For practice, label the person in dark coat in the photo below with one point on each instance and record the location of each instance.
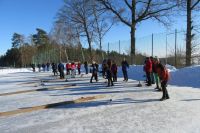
(61, 70)
(86, 67)
(109, 72)
(79, 67)
(94, 71)
(54, 68)
(48, 65)
(148, 70)
(43, 67)
(39, 67)
(114, 71)
(152, 74)
(164, 77)
(125, 65)
(104, 67)
(33, 67)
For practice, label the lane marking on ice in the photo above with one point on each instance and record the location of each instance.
(52, 105)
(42, 89)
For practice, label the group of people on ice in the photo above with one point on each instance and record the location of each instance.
(44, 66)
(70, 69)
(157, 73)
(109, 71)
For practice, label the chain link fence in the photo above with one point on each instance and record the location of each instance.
(169, 47)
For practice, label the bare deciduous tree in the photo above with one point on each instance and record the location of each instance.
(79, 14)
(133, 12)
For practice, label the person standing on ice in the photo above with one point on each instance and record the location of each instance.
(104, 66)
(94, 72)
(114, 71)
(54, 68)
(164, 77)
(109, 72)
(43, 67)
(61, 70)
(152, 73)
(156, 62)
(125, 65)
(33, 67)
(86, 67)
(39, 67)
(73, 69)
(79, 67)
(148, 70)
(68, 68)
(48, 65)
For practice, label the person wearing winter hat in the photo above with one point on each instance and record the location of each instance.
(164, 77)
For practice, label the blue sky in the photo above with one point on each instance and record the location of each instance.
(24, 16)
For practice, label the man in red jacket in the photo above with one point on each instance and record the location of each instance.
(164, 77)
(148, 70)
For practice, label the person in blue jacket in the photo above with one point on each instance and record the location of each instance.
(125, 65)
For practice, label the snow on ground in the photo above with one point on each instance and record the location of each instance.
(124, 108)
(14, 70)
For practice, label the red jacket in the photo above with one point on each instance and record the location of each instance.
(68, 66)
(79, 65)
(148, 66)
(163, 74)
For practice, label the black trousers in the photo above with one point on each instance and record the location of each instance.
(79, 71)
(109, 77)
(115, 76)
(125, 75)
(110, 81)
(148, 74)
(62, 75)
(94, 75)
(164, 89)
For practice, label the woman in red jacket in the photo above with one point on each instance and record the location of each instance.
(148, 70)
(164, 77)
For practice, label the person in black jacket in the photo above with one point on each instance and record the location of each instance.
(61, 70)
(114, 71)
(86, 67)
(125, 65)
(94, 71)
(109, 72)
(54, 68)
(39, 67)
(48, 65)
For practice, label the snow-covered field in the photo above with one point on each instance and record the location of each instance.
(123, 108)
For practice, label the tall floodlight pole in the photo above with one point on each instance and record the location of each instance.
(152, 45)
(175, 47)
(166, 50)
(119, 47)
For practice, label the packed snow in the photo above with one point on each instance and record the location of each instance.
(123, 108)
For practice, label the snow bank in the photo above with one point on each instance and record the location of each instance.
(14, 70)
(189, 76)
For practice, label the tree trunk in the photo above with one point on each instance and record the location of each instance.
(189, 34)
(66, 55)
(133, 33)
(100, 43)
(132, 45)
(89, 40)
